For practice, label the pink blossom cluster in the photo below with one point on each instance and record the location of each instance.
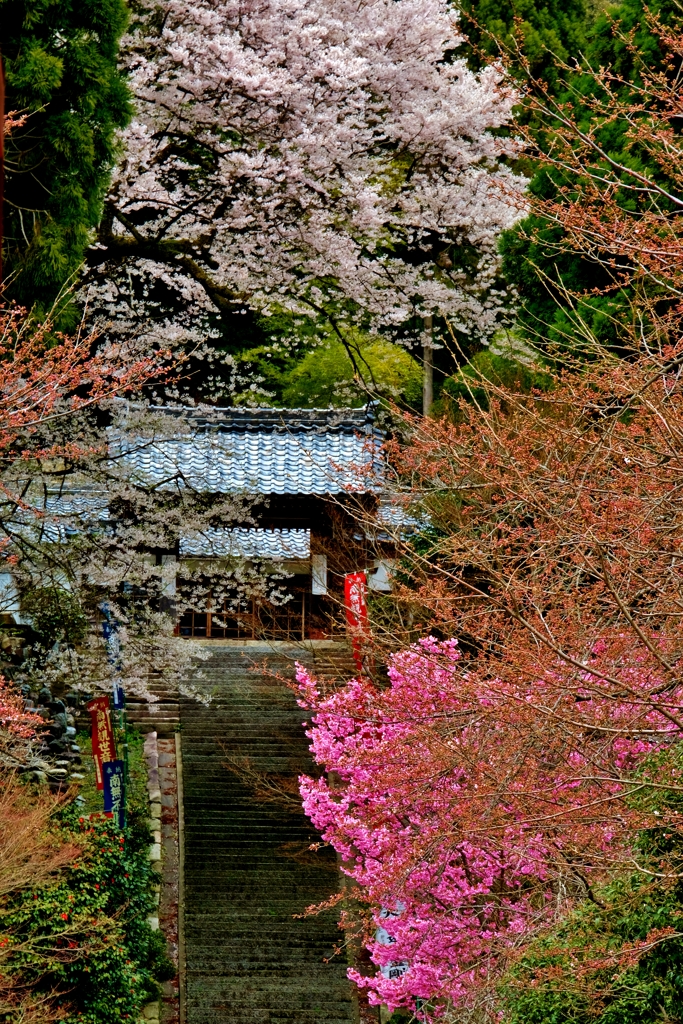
(14, 718)
(460, 803)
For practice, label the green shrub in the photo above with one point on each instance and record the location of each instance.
(55, 615)
(84, 938)
(470, 382)
(325, 376)
(301, 369)
(618, 960)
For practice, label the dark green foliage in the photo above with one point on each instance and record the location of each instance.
(554, 28)
(305, 365)
(533, 264)
(593, 969)
(60, 59)
(55, 615)
(470, 382)
(617, 959)
(606, 48)
(534, 257)
(158, 962)
(326, 377)
(86, 935)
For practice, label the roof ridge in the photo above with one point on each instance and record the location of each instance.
(272, 419)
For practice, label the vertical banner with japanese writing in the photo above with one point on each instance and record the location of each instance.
(118, 696)
(110, 632)
(114, 797)
(355, 588)
(103, 747)
(393, 969)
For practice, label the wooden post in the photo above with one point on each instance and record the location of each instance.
(428, 368)
(182, 995)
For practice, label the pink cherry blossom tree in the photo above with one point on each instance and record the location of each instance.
(470, 809)
(331, 159)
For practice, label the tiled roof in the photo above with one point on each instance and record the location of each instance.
(275, 545)
(62, 513)
(260, 451)
(58, 517)
(85, 505)
(397, 517)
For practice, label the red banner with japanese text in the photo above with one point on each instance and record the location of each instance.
(103, 747)
(355, 600)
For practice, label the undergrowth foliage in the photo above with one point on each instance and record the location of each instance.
(75, 895)
(80, 943)
(616, 959)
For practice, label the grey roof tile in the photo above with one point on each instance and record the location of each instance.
(276, 545)
(260, 452)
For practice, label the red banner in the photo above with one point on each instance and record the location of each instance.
(103, 747)
(355, 590)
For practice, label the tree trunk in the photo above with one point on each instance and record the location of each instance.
(428, 369)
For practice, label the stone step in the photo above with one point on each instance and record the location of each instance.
(248, 964)
(267, 1015)
(247, 867)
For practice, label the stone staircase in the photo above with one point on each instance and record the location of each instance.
(248, 870)
(162, 716)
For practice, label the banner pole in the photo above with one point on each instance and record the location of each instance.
(124, 722)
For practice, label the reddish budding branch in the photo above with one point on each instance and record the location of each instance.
(44, 376)
(557, 523)
(484, 792)
(29, 852)
(622, 212)
(2, 163)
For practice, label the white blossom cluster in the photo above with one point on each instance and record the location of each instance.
(328, 157)
(91, 526)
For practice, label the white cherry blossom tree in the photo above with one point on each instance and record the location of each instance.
(326, 157)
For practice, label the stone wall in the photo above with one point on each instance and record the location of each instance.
(162, 755)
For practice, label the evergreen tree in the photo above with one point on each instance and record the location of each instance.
(534, 259)
(554, 28)
(61, 69)
(618, 959)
